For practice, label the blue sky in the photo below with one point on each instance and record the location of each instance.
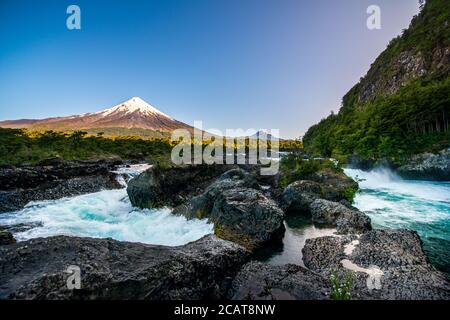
(230, 63)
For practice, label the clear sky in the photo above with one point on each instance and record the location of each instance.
(230, 63)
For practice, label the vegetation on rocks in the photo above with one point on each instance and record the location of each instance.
(294, 167)
(341, 289)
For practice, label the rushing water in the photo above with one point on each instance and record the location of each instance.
(105, 214)
(423, 206)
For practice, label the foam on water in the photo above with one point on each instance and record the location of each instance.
(105, 214)
(423, 206)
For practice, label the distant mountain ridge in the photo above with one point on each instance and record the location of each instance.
(133, 115)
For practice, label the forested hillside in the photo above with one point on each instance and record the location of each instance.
(402, 105)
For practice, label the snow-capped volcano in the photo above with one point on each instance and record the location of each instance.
(133, 105)
(134, 113)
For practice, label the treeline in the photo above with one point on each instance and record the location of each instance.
(413, 121)
(21, 146)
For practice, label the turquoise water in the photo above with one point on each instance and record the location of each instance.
(423, 206)
(105, 214)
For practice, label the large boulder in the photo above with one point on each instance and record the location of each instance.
(37, 269)
(336, 185)
(239, 210)
(326, 184)
(6, 237)
(298, 196)
(260, 281)
(171, 186)
(427, 166)
(345, 219)
(384, 264)
(248, 217)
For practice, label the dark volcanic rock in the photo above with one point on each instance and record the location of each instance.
(17, 199)
(52, 170)
(386, 264)
(324, 184)
(260, 281)
(335, 186)
(247, 217)
(299, 195)
(159, 187)
(427, 166)
(239, 210)
(36, 269)
(345, 219)
(6, 237)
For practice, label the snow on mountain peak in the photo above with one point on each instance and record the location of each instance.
(133, 105)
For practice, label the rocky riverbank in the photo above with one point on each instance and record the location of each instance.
(54, 179)
(248, 215)
(424, 166)
(109, 269)
(427, 166)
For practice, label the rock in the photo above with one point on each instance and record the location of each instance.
(160, 187)
(201, 206)
(427, 166)
(6, 237)
(260, 281)
(298, 196)
(21, 227)
(36, 269)
(247, 217)
(335, 186)
(17, 199)
(29, 177)
(386, 265)
(345, 219)
(239, 210)
(324, 184)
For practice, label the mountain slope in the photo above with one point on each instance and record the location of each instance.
(401, 106)
(133, 115)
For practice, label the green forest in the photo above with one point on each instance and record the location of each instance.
(21, 146)
(381, 118)
(412, 121)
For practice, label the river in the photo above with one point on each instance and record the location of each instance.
(423, 206)
(105, 214)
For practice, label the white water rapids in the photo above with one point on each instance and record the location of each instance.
(106, 214)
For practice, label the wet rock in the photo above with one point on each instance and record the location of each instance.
(385, 264)
(260, 281)
(36, 269)
(6, 237)
(335, 186)
(324, 184)
(160, 187)
(52, 170)
(16, 199)
(345, 219)
(239, 210)
(298, 196)
(427, 166)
